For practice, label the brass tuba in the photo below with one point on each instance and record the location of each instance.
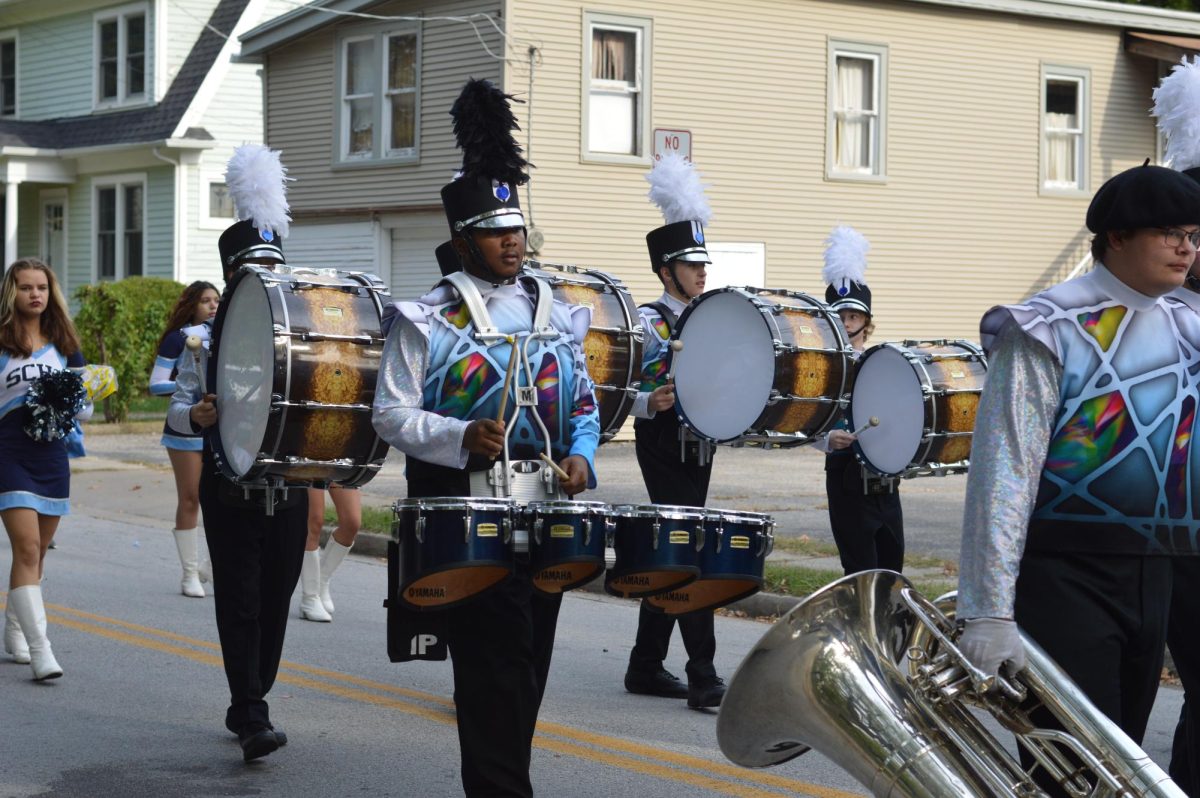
(865, 671)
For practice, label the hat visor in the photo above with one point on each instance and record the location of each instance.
(264, 251)
(850, 304)
(512, 218)
(699, 256)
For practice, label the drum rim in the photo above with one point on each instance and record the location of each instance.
(560, 505)
(674, 511)
(453, 502)
(745, 515)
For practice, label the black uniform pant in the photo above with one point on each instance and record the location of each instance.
(256, 562)
(1103, 620)
(868, 527)
(500, 645)
(672, 481)
(1185, 650)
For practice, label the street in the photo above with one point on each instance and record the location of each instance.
(139, 711)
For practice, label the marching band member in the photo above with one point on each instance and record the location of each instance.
(865, 515)
(197, 305)
(37, 342)
(672, 476)
(1177, 107)
(1077, 486)
(437, 400)
(256, 549)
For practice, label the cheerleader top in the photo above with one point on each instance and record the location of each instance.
(171, 354)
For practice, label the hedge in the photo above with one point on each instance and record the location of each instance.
(120, 324)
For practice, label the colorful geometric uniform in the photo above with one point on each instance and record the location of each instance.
(33, 474)
(1082, 479)
(171, 355)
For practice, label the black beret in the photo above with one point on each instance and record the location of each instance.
(1144, 196)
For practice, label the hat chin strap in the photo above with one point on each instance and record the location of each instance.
(678, 285)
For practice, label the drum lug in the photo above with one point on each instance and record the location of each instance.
(720, 537)
(420, 529)
(654, 540)
(537, 531)
(702, 534)
(766, 543)
(587, 531)
(467, 525)
(508, 529)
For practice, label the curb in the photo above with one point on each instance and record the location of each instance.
(760, 605)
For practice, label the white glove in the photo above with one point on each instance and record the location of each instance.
(989, 643)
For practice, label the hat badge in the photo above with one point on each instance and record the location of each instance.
(698, 232)
(501, 191)
(266, 235)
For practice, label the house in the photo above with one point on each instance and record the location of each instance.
(964, 138)
(116, 119)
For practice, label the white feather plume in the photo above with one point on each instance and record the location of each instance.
(676, 189)
(845, 257)
(256, 179)
(1177, 108)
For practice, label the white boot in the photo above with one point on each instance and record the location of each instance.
(185, 541)
(31, 613)
(311, 608)
(14, 638)
(331, 558)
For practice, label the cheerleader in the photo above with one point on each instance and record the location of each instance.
(319, 564)
(197, 305)
(37, 341)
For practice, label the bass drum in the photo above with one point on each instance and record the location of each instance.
(613, 344)
(760, 366)
(296, 354)
(925, 395)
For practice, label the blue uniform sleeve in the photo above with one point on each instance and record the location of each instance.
(169, 351)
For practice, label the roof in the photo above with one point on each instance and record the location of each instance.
(142, 124)
(301, 21)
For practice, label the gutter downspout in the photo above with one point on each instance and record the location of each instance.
(180, 176)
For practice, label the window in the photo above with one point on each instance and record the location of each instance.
(379, 102)
(8, 75)
(616, 125)
(857, 96)
(1064, 129)
(216, 206)
(119, 222)
(120, 44)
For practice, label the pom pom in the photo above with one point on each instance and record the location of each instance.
(1177, 108)
(483, 125)
(51, 404)
(99, 381)
(676, 189)
(257, 182)
(845, 258)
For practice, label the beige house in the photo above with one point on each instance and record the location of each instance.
(964, 138)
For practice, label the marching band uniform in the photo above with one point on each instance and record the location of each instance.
(256, 550)
(436, 379)
(676, 469)
(1074, 547)
(865, 515)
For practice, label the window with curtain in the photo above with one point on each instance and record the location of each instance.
(1062, 131)
(120, 221)
(855, 113)
(120, 45)
(614, 75)
(8, 77)
(380, 96)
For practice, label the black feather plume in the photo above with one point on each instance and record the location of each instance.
(483, 125)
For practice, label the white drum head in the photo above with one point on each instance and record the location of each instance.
(245, 361)
(724, 373)
(888, 387)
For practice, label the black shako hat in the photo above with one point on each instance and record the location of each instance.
(1144, 196)
(242, 240)
(857, 297)
(447, 258)
(677, 241)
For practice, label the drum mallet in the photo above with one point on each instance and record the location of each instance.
(194, 345)
(563, 475)
(508, 373)
(873, 421)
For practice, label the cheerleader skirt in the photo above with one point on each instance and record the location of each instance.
(33, 474)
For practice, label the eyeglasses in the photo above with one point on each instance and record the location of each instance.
(1173, 237)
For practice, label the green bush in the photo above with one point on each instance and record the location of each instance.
(120, 324)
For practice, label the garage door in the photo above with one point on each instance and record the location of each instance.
(414, 267)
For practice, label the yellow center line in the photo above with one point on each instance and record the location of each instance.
(651, 760)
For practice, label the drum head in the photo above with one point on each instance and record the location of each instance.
(887, 386)
(724, 373)
(245, 361)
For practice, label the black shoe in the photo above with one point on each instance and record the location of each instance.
(280, 736)
(706, 695)
(257, 741)
(663, 684)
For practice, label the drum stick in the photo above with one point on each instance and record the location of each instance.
(873, 421)
(563, 475)
(194, 345)
(508, 373)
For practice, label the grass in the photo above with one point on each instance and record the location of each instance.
(374, 519)
(791, 580)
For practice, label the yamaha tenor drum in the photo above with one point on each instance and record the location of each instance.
(924, 394)
(297, 354)
(613, 343)
(452, 549)
(566, 543)
(657, 548)
(759, 366)
(732, 559)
